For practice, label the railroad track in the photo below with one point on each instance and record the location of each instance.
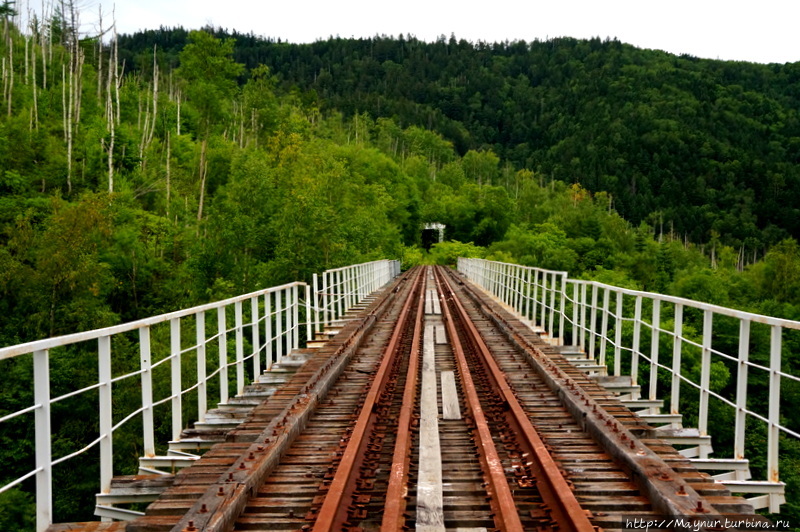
(436, 409)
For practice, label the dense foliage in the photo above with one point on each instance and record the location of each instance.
(216, 167)
(698, 147)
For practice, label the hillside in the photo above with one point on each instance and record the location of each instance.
(700, 148)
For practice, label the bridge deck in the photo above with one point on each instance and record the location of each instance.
(275, 449)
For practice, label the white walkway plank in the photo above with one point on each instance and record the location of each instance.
(450, 407)
(437, 305)
(430, 500)
(441, 336)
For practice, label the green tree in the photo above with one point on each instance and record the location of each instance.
(210, 76)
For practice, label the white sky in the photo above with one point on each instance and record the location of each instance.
(764, 31)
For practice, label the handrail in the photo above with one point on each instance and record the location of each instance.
(264, 331)
(573, 310)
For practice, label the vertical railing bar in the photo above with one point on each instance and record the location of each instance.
(268, 329)
(537, 305)
(340, 296)
(254, 317)
(675, 392)
(526, 285)
(618, 337)
(176, 387)
(582, 339)
(551, 329)
(287, 313)
(279, 326)
(315, 283)
(773, 434)
(637, 332)
(106, 414)
(296, 318)
(741, 390)
(575, 313)
(222, 331)
(705, 377)
(563, 312)
(604, 324)
(654, 348)
(202, 396)
(146, 365)
(239, 330)
(308, 313)
(593, 323)
(325, 290)
(44, 457)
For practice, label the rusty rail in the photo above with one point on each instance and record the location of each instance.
(333, 513)
(502, 500)
(564, 507)
(395, 504)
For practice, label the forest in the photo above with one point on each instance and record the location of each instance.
(144, 173)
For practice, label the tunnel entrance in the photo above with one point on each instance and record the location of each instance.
(431, 234)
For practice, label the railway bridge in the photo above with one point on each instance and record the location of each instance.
(492, 397)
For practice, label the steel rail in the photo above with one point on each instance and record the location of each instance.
(333, 512)
(666, 490)
(552, 486)
(395, 502)
(501, 498)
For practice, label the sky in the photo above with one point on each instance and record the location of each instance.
(762, 31)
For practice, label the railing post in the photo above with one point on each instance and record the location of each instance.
(308, 312)
(222, 331)
(544, 312)
(593, 322)
(296, 317)
(339, 295)
(268, 329)
(346, 273)
(637, 332)
(254, 329)
(325, 289)
(44, 458)
(278, 326)
(175, 367)
(315, 282)
(582, 339)
(654, 348)
(526, 299)
(287, 319)
(202, 397)
(563, 311)
(575, 312)
(551, 330)
(106, 415)
(675, 392)
(618, 337)
(705, 377)
(495, 279)
(287, 311)
(537, 311)
(146, 365)
(773, 430)
(239, 326)
(604, 324)
(741, 390)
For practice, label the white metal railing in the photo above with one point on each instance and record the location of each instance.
(606, 322)
(160, 344)
(339, 289)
